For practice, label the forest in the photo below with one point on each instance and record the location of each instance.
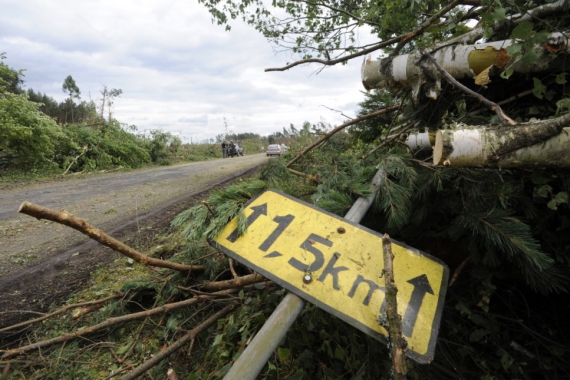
(464, 123)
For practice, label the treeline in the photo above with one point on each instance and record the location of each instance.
(40, 134)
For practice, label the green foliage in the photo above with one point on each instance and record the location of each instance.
(28, 138)
(207, 220)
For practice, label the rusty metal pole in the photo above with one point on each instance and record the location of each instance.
(254, 357)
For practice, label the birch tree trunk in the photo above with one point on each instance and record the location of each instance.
(544, 143)
(461, 61)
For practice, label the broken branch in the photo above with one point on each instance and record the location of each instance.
(96, 234)
(178, 344)
(108, 323)
(62, 310)
(397, 341)
(505, 120)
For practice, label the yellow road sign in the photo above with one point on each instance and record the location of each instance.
(336, 264)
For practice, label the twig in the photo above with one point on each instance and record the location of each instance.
(397, 341)
(404, 40)
(96, 234)
(231, 261)
(378, 46)
(108, 323)
(505, 101)
(62, 310)
(457, 272)
(178, 344)
(209, 208)
(339, 128)
(310, 177)
(505, 120)
(388, 140)
(230, 284)
(340, 112)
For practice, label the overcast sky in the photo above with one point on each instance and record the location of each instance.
(178, 71)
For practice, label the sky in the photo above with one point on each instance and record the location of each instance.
(178, 72)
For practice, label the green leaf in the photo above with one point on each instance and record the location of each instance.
(477, 335)
(506, 361)
(218, 339)
(507, 73)
(283, 354)
(514, 49)
(563, 105)
(271, 366)
(539, 89)
(561, 197)
(561, 78)
(241, 294)
(522, 30)
(532, 56)
(539, 37)
(552, 205)
(121, 350)
(544, 191)
(499, 14)
(339, 353)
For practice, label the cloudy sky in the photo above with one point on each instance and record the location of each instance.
(178, 72)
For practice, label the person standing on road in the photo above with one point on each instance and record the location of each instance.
(224, 149)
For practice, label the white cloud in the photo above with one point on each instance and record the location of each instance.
(178, 72)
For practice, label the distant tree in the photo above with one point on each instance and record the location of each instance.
(70, 87)
(109, 99)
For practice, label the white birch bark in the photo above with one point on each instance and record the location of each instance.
(417, 141)
(460, 61)
(535, 144)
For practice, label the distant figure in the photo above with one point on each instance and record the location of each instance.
(225, 149)
(262, 149)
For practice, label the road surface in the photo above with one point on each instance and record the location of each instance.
(31, 249)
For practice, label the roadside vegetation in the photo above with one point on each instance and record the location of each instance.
(43, 138)
(501, 229)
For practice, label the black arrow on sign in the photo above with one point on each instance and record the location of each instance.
(421, 287)
(257, 211)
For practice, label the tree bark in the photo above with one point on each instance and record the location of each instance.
(535, 144)
(101, 237)
(460, 61)
(397, 341)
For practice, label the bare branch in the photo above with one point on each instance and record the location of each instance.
(96, 234)
(404, 40)
(397, 341)
(62, 310)
(401, 39)
(191, 335)
(108, 323)
(341, 127)
(505, 120)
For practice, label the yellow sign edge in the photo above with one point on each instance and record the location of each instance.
(420, 358)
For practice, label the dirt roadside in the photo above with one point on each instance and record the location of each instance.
(42, 263)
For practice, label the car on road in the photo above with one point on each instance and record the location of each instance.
(274, 150)
(235, 150)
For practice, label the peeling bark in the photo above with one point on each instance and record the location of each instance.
(535, 144)
(460, 61)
